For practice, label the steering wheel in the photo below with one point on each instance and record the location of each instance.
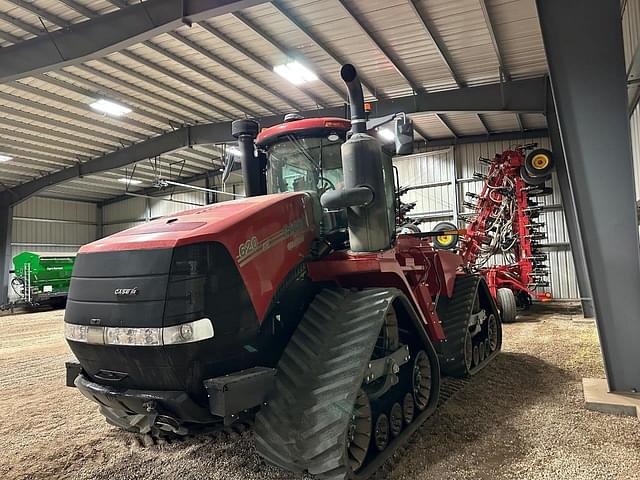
(325, 185)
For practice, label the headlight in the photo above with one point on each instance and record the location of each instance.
(185, 333)
(188, 332)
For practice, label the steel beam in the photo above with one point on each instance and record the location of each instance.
(588, 78)
(491, 137)
(496, 46)
(484, 124)
(570, 215)
(6, 221)
(524, 96)
(100, 36)
(446, 125)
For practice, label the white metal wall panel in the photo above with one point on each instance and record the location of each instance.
(118, 227)
(422, 168)
(51, 225)
(120, 212)
(433, 166)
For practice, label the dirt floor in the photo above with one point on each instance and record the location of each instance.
(521, 418)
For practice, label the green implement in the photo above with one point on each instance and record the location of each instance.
(42, 277)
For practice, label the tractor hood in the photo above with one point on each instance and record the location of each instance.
(230, 223)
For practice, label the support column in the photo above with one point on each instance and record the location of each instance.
(570, 216)
(6, 221)
(587, 69)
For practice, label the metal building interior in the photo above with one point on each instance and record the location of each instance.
(474, 76)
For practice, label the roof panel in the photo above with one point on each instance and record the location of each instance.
(430, 125)
(465, 123)
(518, 33)
(501, 122)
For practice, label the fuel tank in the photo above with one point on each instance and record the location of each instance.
(164, 305)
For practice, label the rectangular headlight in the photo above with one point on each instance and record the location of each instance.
(188, 332)
(140, 337)
(132, 336)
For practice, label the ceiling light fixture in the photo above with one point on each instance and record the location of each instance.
(130, 181)
(110, 108)
(5, 158)
(386, 134)
(295, 72)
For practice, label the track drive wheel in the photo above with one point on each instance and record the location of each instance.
(381, 432)
(359, 432)
(507, 304)
(421, 380)
(408, 409)
(396, 419)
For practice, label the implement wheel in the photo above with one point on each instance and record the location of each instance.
(530, 180)
(506, 301)
(445, 241)
(539, 162)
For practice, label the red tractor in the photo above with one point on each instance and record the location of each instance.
(299, 304)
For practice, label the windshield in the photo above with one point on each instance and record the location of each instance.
(297, 164)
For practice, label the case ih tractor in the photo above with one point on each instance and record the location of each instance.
(299, 305)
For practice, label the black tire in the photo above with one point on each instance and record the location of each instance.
(506, 301)
(529, 180)
(541, 192)
(539, 162)
(408, 228)
(445, 242)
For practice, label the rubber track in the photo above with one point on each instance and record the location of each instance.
(303, 426)
(454, 313)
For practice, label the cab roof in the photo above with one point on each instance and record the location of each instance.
(271, 134)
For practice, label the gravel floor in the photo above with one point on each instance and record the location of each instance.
(521, 418)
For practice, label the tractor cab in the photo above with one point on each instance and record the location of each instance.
(304, 154)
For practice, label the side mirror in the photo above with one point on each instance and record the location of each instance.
(404, 135)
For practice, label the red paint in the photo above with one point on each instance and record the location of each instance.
(298, 126)
(412, 266)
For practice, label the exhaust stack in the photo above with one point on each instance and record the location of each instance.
(356, 99)
(245, 131)
(368, 194)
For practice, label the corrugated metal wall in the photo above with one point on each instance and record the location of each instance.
(136, 210)
(631, 34)
(52, 225)
(438, 165)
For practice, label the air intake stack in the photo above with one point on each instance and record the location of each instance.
(368, 193)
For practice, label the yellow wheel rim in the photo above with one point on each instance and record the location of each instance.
(445, 239)
(540, 161)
